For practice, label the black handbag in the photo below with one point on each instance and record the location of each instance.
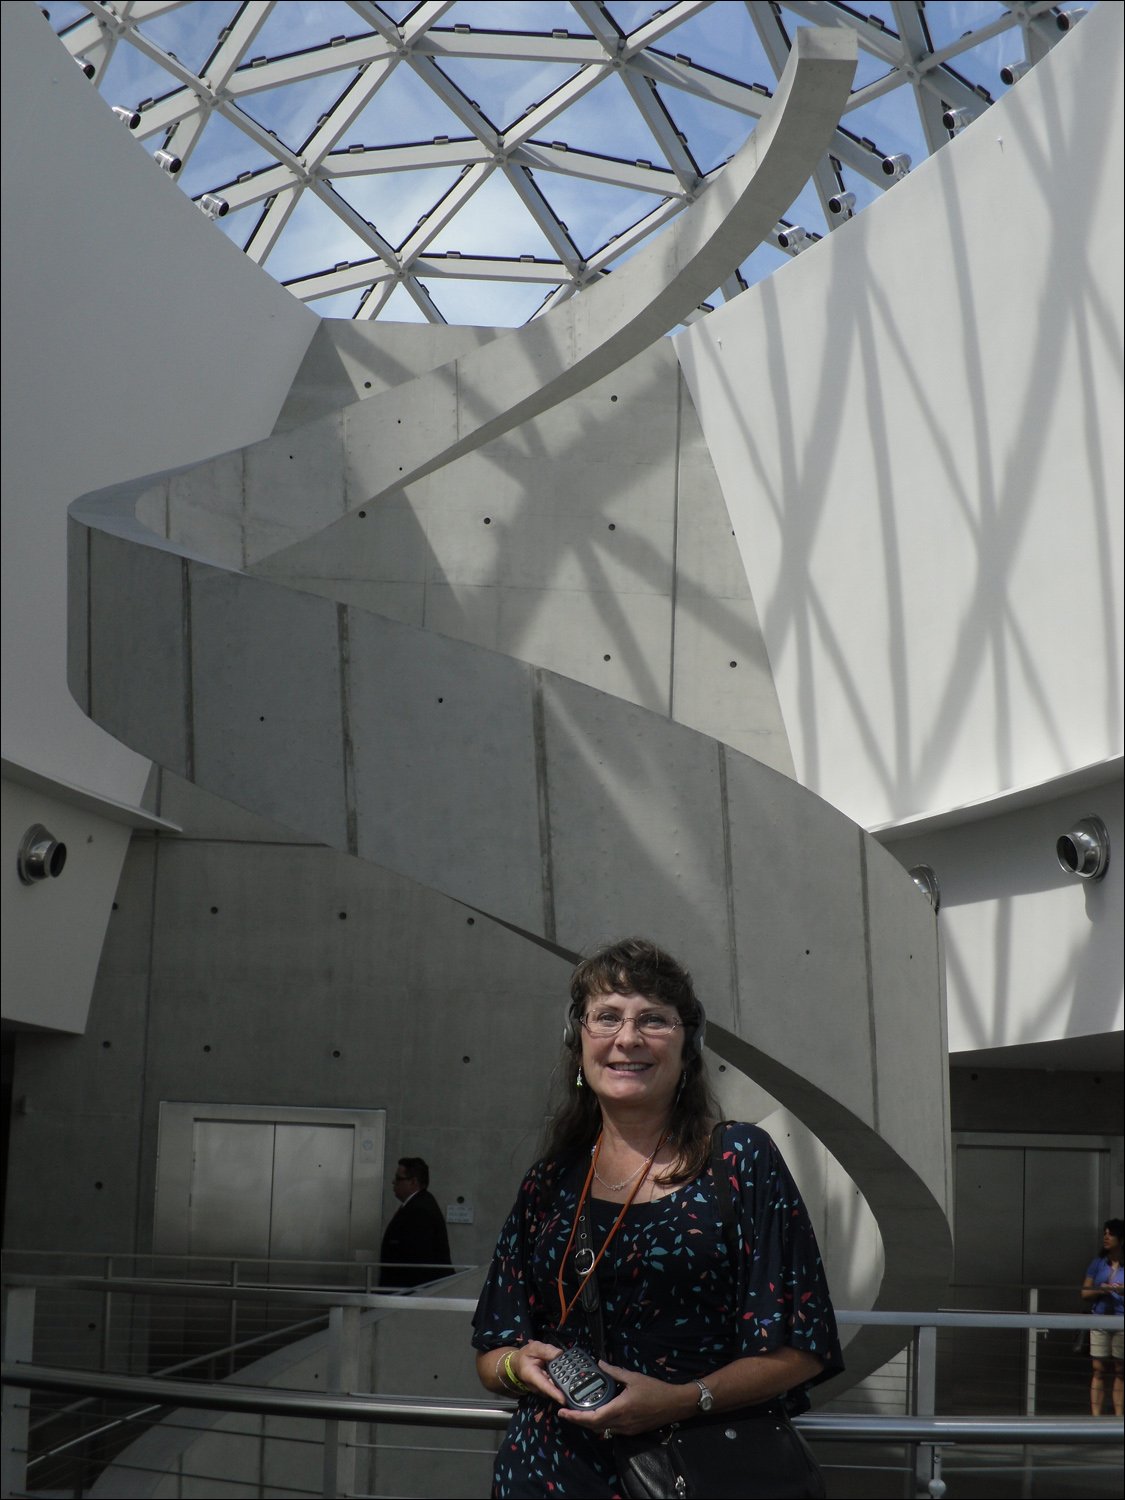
(754, 1453)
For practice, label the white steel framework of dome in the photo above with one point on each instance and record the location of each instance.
(401, 160)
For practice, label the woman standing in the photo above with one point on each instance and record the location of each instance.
(1103, 1288)
(685, 1331)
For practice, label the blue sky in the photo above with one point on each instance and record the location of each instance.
(494, 221)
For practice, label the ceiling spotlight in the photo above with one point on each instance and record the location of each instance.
(1065, 19)
(87, 67)
(166, 160)
(130, 117)
(955, 120)
(1012, 72)
(213, 207)
(40, 856)
(926, 880)
(1084, 850)
(842, 203)
(792, 237)
(897, 166)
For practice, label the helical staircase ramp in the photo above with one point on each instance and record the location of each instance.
(556, 809)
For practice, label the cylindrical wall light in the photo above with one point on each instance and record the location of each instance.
(925, 878)
(41, 856)
(1084, 850)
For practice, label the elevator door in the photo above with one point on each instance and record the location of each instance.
(271, 1191)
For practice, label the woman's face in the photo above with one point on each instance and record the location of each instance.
(1111, 1244)
(637, 1065)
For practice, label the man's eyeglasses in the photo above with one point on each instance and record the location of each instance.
(653, 1023)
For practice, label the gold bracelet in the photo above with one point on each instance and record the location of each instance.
(514, 1382)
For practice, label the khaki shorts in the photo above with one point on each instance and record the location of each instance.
(1105, 1344)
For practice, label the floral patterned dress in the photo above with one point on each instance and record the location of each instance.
(673, 1306)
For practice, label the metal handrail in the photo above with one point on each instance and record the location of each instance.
(412, 1412)
(402, 1301)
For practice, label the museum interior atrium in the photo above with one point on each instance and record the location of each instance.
(482, 480)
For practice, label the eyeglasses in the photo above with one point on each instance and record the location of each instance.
(653, 1023)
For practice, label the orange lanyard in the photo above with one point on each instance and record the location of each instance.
(563, 1303)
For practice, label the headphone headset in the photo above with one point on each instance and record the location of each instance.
(693, 1035)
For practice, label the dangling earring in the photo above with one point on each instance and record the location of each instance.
(579, 1082)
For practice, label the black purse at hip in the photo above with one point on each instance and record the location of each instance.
(754, 1453)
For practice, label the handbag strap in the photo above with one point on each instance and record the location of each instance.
(590, 1296)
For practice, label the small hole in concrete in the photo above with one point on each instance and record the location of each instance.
(107, 1044)
(399, 421)
(613, 398)
(470, 921)
(734, 664)
(291, 456)
(214, 911)
(367, 385)
(488, 520)
(722, 1067)
(98, 1184)
(335, 1052)
(89, 838)
(466, 1059)
(807, 952)
(606, 657)
(441, 700)
(91, 1326)
(206, 1046)
(115, 906)
(400, 468)
(460, 1199)
(363, 515)
(261, 718)
(973, 1077)
(613, 526)
(343, 916)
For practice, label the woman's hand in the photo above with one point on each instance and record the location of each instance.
(642, 1404)
(527, 1364)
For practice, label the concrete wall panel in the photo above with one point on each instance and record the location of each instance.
(137, 649)
(444, 755)
(266, 709)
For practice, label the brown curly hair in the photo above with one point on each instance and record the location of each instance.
(633, 966)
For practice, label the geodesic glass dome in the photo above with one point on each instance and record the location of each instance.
(477, 162)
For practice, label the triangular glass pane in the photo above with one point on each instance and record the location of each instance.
(293, 28)
(486, 304)
(404, 110)
(949, 22)
(62, 15)
(592, 211)
(765, 260)
(342, 305)
(806, 210)
(723, 40)
(395, 201)
(713, 133)
(868, 69)
(292, 111)
(605, 120)
(314, 240)
(191, 32)
(892, 122)
(865, 190)
(131, 77)
(503, 91)
(222, 154)
(401, 308)
(629, 14)
(494, 221)
(514, 15)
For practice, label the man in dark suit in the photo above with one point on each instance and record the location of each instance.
(416, 1236)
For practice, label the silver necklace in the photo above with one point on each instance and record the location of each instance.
(615, 1187)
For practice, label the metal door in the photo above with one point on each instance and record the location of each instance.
(1062, 1227)
(312, 1192)
(231, 1188)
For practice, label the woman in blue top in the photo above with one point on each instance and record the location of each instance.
(1103, 1290)
(685, 1331)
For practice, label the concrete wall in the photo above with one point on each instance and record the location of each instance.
(136, 337)
(916, 427)
(1031, 952)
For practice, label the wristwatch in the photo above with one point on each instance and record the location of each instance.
(706, 1400)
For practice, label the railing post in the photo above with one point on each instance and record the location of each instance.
(107, 1310)
(342, 1376)
(19, 1335)
(1032, 1354)
(927, 1459)
(233, 1330)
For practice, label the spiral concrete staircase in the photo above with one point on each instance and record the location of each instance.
(559, 810)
